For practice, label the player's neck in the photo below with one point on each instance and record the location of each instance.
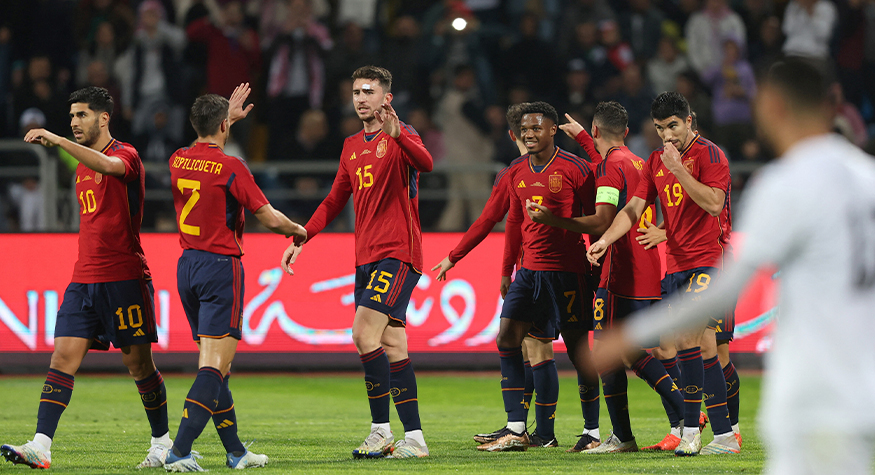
(371, 126)
(102, 142)
(213, 140)
(543, 157)
(609, 145)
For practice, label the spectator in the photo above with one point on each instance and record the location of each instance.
(539, 73)
(466, 142)
(849, 55)
(295, 75)
(767, 49)
(431, 136)
(619, 52)
(705, 33)
(28, 198)
(91, 14)
(808, 26)
(635, 96)
(847, 120)
(98, 75)
(311, 140)
(402, 55)
(586, 46)
(734, 87)
(505, 150)
(103, 47)
(642, 27)
(582, 11)
(690, 86)
(153, 74)
(5, 80)
(578, 90)
(348, 55)
(38, 91)
(663, 70)
(646, 141)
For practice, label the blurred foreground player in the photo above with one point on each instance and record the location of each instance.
(210, 191)
(380, 167)
(827, 281)
(110, 298)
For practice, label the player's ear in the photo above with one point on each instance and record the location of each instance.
(104, 119)
(387, 99)
(512, 135)
(626, 133)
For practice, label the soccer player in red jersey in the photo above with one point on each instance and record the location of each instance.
(210, 192)
(380, 167)
(548, 294)
(630, 274)
(110, 298)
(691, 178)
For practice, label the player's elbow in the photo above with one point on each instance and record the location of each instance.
(427, 165)
(714, 209)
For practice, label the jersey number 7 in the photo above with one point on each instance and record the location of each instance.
(193, 185)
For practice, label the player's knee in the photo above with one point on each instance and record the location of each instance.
(365, 342)
(65, 362)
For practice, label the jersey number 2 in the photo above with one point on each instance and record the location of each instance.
(194, 186)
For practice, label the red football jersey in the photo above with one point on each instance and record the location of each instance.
(494, 211)
(628, 270)
(110, 213)
(210, 190)
(695, 238)
(565, 185)
(382, 175)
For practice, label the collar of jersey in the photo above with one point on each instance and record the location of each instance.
(610, 151)
(690, 145)
(365, 136)
(111, 142)
(532, 168)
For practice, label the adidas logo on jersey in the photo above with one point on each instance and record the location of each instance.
(139, 333)
(353, 156)
(224, 424)
(659, 173)
(522, 184)
(376, 298)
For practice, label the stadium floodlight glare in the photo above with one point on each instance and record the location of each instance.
(459, 24)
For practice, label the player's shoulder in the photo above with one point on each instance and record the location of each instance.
(117, 147)
(707, 150)
(408, 128)
(518, 163)
(356, 136)
(572, 161)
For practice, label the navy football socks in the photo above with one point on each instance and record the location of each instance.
(225, 419)
(513, 380)
(615, 384)
(403, 382)
(674, 372)
(653, 373)
(588, 387)
(715, 402)
(201, 402)
(733, 386)
(377, 381)
(529, 387)
(57, 391)
(154, 398)
(546, 396)
(692, 382)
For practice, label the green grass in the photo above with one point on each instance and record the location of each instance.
(310, 423)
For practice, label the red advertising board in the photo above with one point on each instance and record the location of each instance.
(309, 312)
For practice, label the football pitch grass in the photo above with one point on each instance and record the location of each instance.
(310, 423)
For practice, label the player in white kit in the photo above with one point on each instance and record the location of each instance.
(811, 214)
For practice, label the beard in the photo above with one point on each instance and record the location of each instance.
(90, 136)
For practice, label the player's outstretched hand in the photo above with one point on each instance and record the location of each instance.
(540, 213)
(596, 251)
(289, 256)
(42, 136)
(505, 284)
(300, 235)
(444, 266)
(389, 120)
(651, 235)
(572, 128)
(236, 111)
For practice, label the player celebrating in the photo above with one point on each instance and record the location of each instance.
(380, 167)
(210, 191)
(110, 298)
(548, 294)
(691, 178)
(630, 276)
(794, 115)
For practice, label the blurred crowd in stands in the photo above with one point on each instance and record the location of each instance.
(457, 64)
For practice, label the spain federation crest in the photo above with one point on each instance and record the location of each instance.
(690, 165)
(98, 177)
(555, 183)
(381, 148)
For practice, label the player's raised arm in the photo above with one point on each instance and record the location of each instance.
(623, 222)
(93, 159)
(236, 111)
(576, 131)
(709, 198)
(411, 143)
(277, 222)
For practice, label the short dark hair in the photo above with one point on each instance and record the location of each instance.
(611, 117)
(668, 104)
(694, 124)
(800, 81)
(375, 73)
(207, 114)
(539, 107)
(98, 99)
(514, 116)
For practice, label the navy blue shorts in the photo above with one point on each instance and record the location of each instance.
(551, 301)
(609, 310)
(694, 282)
(385, 286)
(211, 289)
(121, 313)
